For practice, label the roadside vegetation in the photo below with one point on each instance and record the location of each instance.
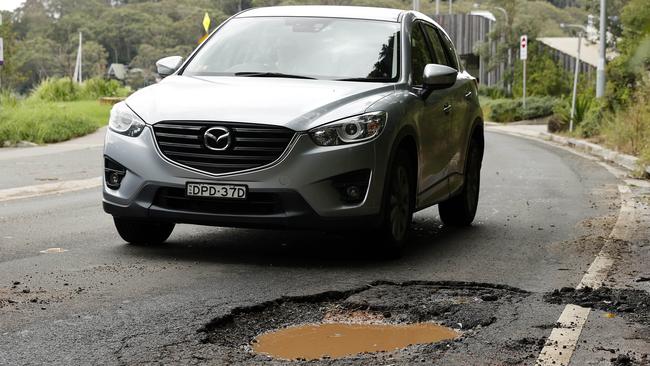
(621, 120)
(56, 110)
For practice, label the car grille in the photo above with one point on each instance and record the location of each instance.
(257, 203)
(252, 145)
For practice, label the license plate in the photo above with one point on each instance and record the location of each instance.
(216, 190)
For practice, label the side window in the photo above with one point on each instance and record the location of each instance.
(420, 56)
(436, 46)
(449, 50)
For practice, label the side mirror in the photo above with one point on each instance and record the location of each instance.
(439, 76)
(168, 65)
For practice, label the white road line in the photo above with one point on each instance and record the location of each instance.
(564, 337)
(561, 344)
(49, 188)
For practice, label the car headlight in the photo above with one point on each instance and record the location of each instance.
(350, 130)
(124, 121)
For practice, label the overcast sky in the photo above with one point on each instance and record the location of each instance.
(10, 4)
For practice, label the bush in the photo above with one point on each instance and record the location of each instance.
(510, 110)
(44, 122)
(591, 124)
(96, 88)
(629, 130)
(57, 90)
(562, 115)
(493, 92)
(8, 99)
(557, 124)
(65, 90)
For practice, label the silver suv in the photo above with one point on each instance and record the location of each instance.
(314, 117)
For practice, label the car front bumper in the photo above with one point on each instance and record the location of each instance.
(297, 191)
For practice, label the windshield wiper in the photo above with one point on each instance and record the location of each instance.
(272, 75)
(367, 80)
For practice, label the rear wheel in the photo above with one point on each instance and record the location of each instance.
(398, 206)
(460, 210)
(143, 232)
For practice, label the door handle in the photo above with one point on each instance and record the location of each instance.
(446, 108)
(468, 94)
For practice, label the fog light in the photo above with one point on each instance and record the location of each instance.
(352, 186)
(353, 193)
(113, 179)
(113, 173)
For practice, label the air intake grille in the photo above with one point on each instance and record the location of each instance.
(251, 145)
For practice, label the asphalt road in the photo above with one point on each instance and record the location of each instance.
(542, 218)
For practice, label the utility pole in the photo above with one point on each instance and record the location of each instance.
(449, 7)
(416, 5)
(523, 55)
(78, 72)
(437, 7)
(600, 70)
(2, 57)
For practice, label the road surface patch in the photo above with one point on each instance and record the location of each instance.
(49, 188)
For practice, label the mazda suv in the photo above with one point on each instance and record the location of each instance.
(300, 117)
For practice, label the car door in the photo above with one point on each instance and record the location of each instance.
(461, 94)
(432, 121)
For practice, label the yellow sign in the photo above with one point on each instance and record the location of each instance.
(206, 22)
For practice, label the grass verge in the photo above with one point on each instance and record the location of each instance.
(46, 122)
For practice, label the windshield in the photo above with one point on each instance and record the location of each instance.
(320, 48)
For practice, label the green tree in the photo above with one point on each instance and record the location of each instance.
(544, 76)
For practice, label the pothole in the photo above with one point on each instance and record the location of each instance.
(336, 340)
(416, 319)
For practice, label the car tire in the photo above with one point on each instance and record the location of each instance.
(398, 206)
(143, 232)
(460, 210)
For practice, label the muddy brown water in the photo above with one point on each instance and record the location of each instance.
(336, 340)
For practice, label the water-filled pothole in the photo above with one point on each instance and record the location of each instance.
(468, 307)
(336, 340)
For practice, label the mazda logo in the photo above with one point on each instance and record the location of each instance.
(217, 138)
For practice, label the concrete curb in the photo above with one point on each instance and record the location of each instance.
(628, 162)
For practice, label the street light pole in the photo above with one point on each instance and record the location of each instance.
(583, 30)
(416, 5)
(506, 39)
(575, 84)
(600, 70)
(437, 7)
(449, 7)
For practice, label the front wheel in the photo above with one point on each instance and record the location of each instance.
(143, 232)
(460, 210)
(398, 206)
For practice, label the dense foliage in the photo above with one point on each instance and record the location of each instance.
(509, 110)
(41, 36)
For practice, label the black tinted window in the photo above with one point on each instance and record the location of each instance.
(420, 56)
(449, 50)
(436, 46)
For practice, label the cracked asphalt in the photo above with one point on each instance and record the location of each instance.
(544, 215)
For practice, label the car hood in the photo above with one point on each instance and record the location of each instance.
(298, 104)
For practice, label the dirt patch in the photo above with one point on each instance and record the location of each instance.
(466, 307)
(632, 304)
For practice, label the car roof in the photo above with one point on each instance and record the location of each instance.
(325, 11)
